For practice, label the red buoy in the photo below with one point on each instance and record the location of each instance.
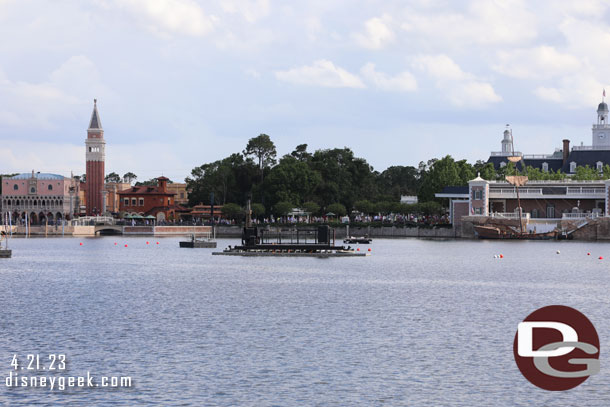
(588, 254)
(126, 245)
(369, 249)
(601, 258)
(157, 242)
(358, 249)
(81, 243)
(501, 256)
(115, 243)
(147, 242)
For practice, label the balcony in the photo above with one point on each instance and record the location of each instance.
(565, 192)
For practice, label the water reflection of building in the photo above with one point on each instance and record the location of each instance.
(42, 196)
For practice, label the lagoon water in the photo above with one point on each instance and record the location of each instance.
(418, 323)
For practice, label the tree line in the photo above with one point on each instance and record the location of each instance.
(335, 181)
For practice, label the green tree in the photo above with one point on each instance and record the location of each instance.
(365, 206)
(292, 181)
(396, 181)
(300, 153)
(439, 174)
(129, 177)
(232, 211)
(344, 177)
(113, 177)
(258, 210)
(337, 208)
(230, 179)
(586, 173)
(311, 207)
(282, 208)
(263, 150)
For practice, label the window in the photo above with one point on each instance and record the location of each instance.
(141, 201)
(550, 211)
(600, 166)
(545, 167)
(572, 166)
(32, 190)
(134, 202)
(478, 194)
(169, 201)
(51, 186)
(15, 187)
(478, 211)
(535, 213)
(126, 201)
(502, 164)
(181, 195)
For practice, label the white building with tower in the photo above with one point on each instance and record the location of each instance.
(564, 159)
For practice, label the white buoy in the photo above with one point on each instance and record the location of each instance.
(558, 252)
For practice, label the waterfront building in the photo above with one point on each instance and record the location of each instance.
(549, 200)
(179, 188)
(112, 197)
(155, 200)
(43, 196)
(565, 159)
(95, 156)
(203, 212)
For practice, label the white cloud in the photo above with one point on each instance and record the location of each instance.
(462, 89)
(31, 105)
(484, 22)
(536, 63)
(403, 82)
(170, 16)
(251, 10)
(574, 91)
(23, 156)
(321, 73)
(377, 33)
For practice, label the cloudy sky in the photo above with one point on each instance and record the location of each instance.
(184, 82)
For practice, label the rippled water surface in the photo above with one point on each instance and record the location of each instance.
(418, 323)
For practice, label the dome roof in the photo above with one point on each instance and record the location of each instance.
(602, 106)
(40, 175)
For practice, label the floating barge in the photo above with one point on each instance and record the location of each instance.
(357, 240)
(199, 243)
(289, 242)
(6, 253)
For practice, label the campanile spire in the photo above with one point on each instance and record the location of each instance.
(95, 158)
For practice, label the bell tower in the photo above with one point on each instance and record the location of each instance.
(601, 130)
(95, 157)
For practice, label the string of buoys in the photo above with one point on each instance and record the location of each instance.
(498, 256)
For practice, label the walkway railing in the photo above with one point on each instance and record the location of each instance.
(93, 220)
(581, 215)
(509, 215)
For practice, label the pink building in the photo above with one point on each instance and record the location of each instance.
(44, 197)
